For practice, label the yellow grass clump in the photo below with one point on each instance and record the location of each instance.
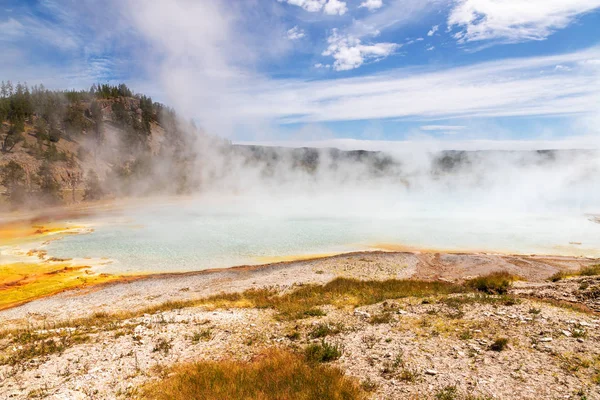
(275, 374)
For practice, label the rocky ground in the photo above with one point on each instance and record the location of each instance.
(409, 348)
(158, 289)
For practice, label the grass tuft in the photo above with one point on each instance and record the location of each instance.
(322, 330)
(495, 283)
(322, 352)
(499, 344)
(590, 271)
(275, 374)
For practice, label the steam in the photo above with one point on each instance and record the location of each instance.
(209, 56)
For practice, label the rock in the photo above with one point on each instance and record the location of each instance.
(567, 333)
(545, 339)
(431, 372)
(362, 314)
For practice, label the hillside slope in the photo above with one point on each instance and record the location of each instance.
(58, 141)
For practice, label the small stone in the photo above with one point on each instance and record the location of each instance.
(362, 314)
(567, 333)
(431, 372)
(546, 339)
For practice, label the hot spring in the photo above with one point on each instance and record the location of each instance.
(197, 234)
(263, 205)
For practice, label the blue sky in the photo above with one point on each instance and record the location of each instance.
(310, 70)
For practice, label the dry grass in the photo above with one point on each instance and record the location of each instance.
(567, 305)
(30, 345)
(590, 271)
(301, 303)
(275, 374)
(586, 271)
(495, 283)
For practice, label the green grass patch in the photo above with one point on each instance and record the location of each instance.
(322, 330)
(322, 352)
(495, 283)
(592, 270)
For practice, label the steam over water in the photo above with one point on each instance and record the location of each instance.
(257, 211)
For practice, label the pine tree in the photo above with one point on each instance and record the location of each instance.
(93, 188)
(14, 179)
(49, 187)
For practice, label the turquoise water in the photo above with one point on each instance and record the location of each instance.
(186, 237)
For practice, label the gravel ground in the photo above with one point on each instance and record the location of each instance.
(420, 349)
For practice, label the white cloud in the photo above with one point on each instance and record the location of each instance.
(510, 87)
(397, 13)
(371, 5)
(430, 48)
(320, 65)
(350, 53)
(442, 127)
(335, 7)
(308, 5)
(433, 30)
(30, 28)
(419, 39)
(329, 7)
(515, 20)
(295, 33)
(11, 27)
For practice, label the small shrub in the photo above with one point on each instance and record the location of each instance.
(390, 367)
(447, 393)
(408, 375)
(322, 330)
(381, 318)
(322, 352)
(466, 335)
(163, 346)
(203, 335)
(499, 344)
(560, 275)
(579, 333)
(314, 312)
(370, 341)
(368, 385)
(590, 271)
(535, 311)
(495, 283)
(295, 335)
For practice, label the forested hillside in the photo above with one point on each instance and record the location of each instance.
(62, 146)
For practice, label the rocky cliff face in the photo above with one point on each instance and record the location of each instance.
(120, 139)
